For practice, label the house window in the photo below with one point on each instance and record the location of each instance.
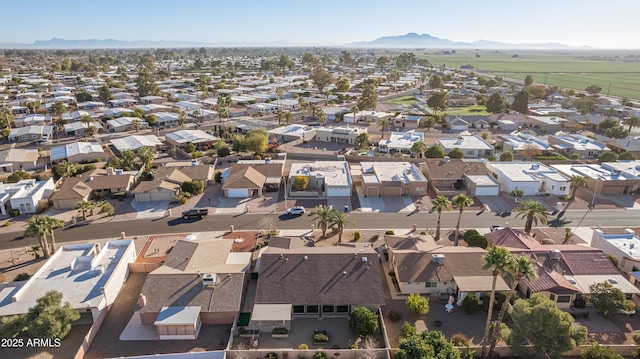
(552, 296)
(564, 188)
(431, 284)
(553, 188)
(298, 309)
(564, 299)
(342, 309)
(312, 309)
(470, 152)
(328, 309)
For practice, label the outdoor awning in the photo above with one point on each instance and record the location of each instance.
(479, 284)
(271, 312)
(178, 316)
(617, 281)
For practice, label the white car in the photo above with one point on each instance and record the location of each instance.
(297, 210)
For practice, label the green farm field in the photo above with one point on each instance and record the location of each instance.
(616, 78)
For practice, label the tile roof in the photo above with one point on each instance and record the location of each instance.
(244, 176)
(512, 238)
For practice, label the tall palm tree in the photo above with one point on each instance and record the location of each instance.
(279, 116)
(355, 109)
(632, 121)
(323, 214)
(461, 202)
(288, 116)
(577, 181)
(533, 211)
(340, 220)
(68, 169)
(146, 155)
(440, 204)
(383, 125)
(42, 226)
(498, 259)
(520, 268)
(303, 105)
(85, 206)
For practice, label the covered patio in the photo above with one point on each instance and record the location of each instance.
(477, 285)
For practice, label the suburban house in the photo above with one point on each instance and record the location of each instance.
(583, 146)
(548, 123)
(625, 247)
(31, 120)
(249, 180)
(198, 138)
(325, 179)
(333, 113)
(503, 119)
(533, 178)
(99, 181)
(88, 276)
(400, 142)
(425, 267)
(77, 152)
(471, 146)
(26, 195)
(291, 133)
(153, 108)
(366, 116)
(152, 99)
(78, 128)
(565, 271)
(187, 106)
(167, 119)
(450, 177)
(524, 145)
(464, 123)
(389, 179)
(167, 182)
(602, 179)
(135, 142)
(201, 283)
(30, 133)
(122, 124)
(201, 115)
(18, 159)
(407, 122)
(300, 281)
(344, 134)
(261, 108)
(629, 144)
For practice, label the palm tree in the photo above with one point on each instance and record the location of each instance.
(90, 131)
(146, 155)
(323, 214)
(520, 268)
(355, 109)
(85, 206)
(279, 116)
(86, 119)
(340, 220)
(497, 259)
(383, 125)
(632, 121)
(68, 169)
(136, 124)
(533, 211)
(440, 204)
(460, 201)
(322, 118)
(42, 226)
(288, 116)
(303, 105)
(577, 181)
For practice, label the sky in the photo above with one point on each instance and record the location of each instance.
(602, 24)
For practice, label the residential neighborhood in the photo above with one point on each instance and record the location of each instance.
(312, 203)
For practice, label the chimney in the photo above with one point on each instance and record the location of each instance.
(110, 171)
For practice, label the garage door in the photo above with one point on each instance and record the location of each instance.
(391, 191)
(339, 191)
(487, 191)
(237, 193)
(143, 197)
(160, 196)
(372, 192)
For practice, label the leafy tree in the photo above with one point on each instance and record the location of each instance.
(83, 96)
(428, 344)
(189, 147)
(607, 123)
(548, 329)
(300, 183)
(478, 241)
(506, 156)
(363, 321)
(528, 80)
(321, 78)
(616, 132)
(595, 351)
(340, 220)
(470, 303)
(608, 157)
(576, 182)
(498, 259)
(323, 215)
(104, 93)
(418, 147)
(382, 62)
(428, 122)
(521, 102)
(6, 117)
(41, 226)
(440, 203)
(362, 140)
(49, 318)
(146, 85)
(146, 155)
(223, 151)
(194, 187)
(108, 209)
(435, 82)
(606, 298)
(593, 90)
(18, 176)
(417, 304)
(537, 91)
(461, 202)
(127, 160)
(405, 60)
(434, 152)
(532, 211)
(496, 103)
(384, 124)
(627, 156)
(342, 84)
(256, 140)
(584, 105)
(368, 100)
(632, 122)
(407, 330)
(438, 101)
(456, 153)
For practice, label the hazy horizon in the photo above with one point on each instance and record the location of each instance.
(574, 23)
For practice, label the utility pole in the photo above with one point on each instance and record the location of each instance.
(609, 89)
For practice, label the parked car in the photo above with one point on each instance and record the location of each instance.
(195, 213)
(295, 211)
(495, 228)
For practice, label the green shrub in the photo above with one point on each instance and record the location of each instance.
(320, 355)
(459, 340)
(500, 298)
(303, 346)
(478, 241)
(407, 330)
(470, 304)
(636, 336)
(193, 187)
(613, 260)
(363, 321)
(189, 147)
(7, 224)
(14, 212)
(389, 232)
(469, 233)
(320, 337)
(22, 277)
(223, 151)
(271, 356)
(108, 209)
(279, 331)
(357, 235)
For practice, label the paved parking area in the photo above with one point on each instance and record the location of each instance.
(153, 209)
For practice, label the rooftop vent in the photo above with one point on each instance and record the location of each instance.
(364, 259)
(446, 159)
(209, 281)
(554, 254)
(437, 258)
(612, 281)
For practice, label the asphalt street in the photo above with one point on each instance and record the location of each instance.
(253, 221)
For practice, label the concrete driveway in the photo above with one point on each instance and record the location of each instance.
(152, 209)
(496, 203)
(384, 204)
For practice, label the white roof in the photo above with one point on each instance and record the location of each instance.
(178, 315)
(122, 121)
(134, 142)
(402, 140)
(271, 312)
(292, 130)
(31, 130)
(594, 171)
(464, 143)
(335, 173)
(76, 148)
(378, 172)
(526, 171)
(628, 243)
(75, 126)
(616, 280)
(193, 136)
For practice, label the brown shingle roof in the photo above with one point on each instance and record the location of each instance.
(419, 267)
(72, 188)
(244, 177)
(455, 168)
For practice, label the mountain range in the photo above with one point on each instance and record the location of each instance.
(410, 40)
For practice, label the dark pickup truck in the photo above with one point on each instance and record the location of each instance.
(195, 213)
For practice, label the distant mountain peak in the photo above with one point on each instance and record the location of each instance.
(412, 40)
